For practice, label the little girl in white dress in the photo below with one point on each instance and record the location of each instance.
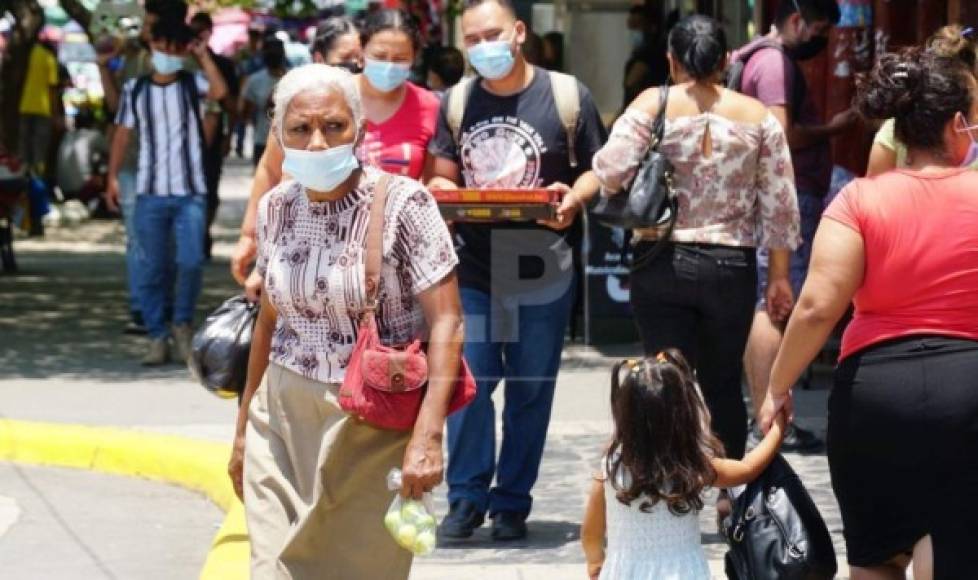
(647, 497)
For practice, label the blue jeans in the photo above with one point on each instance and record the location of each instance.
(810, 207)
(519, 342)
(162, 223)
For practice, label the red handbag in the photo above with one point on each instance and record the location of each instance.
(384, 385)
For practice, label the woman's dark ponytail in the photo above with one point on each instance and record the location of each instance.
(699, 44)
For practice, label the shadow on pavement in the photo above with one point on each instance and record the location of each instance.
(64, 313)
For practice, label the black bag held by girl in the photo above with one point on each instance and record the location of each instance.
(775, 531)
(220, 349)
(650, 201)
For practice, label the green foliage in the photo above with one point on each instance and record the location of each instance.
(295, 8)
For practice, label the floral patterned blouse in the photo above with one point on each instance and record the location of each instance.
(742, 194)
(311, 255)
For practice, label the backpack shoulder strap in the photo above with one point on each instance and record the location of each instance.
(189, 85)
(567, 97)
(735, 78)
(458, 97)
(374, 246)
(137, 90)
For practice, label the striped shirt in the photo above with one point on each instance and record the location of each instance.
(170, 137)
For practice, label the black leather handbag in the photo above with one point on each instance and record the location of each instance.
(650, 202)
(220, 348)
(775, 532)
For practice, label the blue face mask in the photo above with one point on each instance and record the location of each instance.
(972, 155)
(320, 170)
(386, 76)
(166, 64)
(492, 60)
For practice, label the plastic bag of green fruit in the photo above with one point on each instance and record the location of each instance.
(411, 523)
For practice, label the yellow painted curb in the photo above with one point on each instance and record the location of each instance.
(189, 463)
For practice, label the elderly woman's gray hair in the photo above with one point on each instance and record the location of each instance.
(316, 77)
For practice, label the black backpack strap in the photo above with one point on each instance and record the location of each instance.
(188, 85)
(137, 90)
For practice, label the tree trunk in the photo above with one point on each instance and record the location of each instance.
(78, 12)
(28, 20)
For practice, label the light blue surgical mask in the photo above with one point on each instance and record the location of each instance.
(972, 155)
(166, 64)
(320, 170)
(637, 37)
(493, 59)
(386, 76)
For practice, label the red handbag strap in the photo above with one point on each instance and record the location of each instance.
(375, 243)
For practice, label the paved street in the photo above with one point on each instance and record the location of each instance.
(64, 359)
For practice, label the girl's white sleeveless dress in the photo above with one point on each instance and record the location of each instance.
(654, 545)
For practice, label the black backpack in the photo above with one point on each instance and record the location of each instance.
(775, 532)
(735, 74)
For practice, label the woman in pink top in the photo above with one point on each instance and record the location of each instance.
(401, 118)
(736, 190)
(903, 247)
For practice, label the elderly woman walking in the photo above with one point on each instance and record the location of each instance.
(314, 477)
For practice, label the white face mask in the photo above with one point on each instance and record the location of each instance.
(972, 154)
(321, 171)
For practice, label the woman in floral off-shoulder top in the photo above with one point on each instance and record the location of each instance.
(735, 184)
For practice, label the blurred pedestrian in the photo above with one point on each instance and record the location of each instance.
(39, 99)
(171, 185)
(337, 43)
(83, 158)
(553, 51)
(446, 66)
(218, 121)
(646, 66)
(249, 61)
(771, 74)
(256, 97)
(123, 60)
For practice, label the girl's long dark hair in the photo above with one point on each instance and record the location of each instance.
(662, 447)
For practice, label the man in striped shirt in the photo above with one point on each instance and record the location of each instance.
(165, 109)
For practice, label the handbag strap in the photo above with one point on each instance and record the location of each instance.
(659, 125)
(375, 243)
(658, 130)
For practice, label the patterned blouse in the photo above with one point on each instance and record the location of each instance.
(312, 257)
(743, 194)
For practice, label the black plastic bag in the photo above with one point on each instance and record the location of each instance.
(775, 531)
(219, 360)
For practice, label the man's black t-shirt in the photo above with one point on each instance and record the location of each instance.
(515, 141)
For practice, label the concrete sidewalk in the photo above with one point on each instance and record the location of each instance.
(65, 360)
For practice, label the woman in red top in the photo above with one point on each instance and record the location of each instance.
(903, 414)
(401, 119)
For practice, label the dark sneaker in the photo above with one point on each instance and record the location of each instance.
(508, 526)
(462, 520)
(796, 439)
(134, 329)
